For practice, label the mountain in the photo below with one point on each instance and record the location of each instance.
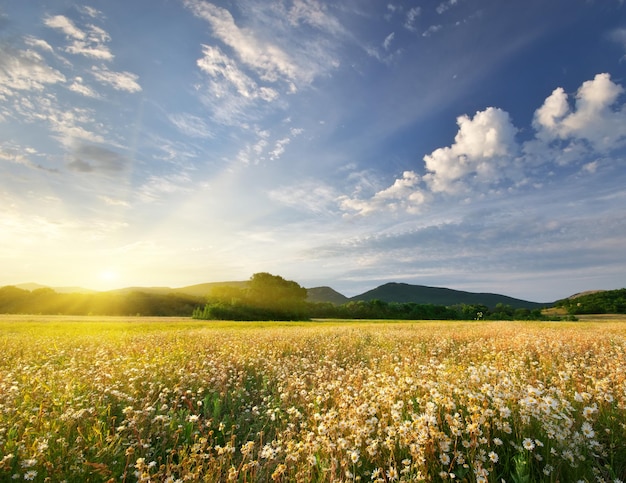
(325, 294)
(389, 292)
(36, 286)
(421, 294)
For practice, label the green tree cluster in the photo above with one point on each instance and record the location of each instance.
(266, 297)
(603, 302)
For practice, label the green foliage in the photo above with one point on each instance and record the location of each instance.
(604, 302)
(378, 309)
(48, 302)
(266, 297)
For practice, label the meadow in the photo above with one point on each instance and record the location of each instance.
(173, 400)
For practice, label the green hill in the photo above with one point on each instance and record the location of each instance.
(421, 294)
(326, 294)
(595, 302)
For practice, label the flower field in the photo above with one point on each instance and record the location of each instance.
(168, 400)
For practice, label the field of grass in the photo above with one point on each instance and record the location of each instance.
(165, 400)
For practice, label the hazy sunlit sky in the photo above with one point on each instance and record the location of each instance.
(472, 144)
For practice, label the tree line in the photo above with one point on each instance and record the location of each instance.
(270, 297)
(46, 301)
(264, 297)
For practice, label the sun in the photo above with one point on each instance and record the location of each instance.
(108, 275)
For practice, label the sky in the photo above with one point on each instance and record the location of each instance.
(478, 145)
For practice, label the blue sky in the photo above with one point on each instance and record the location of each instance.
(473, 144)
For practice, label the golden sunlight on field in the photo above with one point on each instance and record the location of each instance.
(180, 400)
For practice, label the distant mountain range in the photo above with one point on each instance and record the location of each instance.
(389, 292)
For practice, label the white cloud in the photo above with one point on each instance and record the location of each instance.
(485, 156)
(433, 29)
(100, 52)
(270, 61)
(38, 43)
(311, 196)
(66, 26)
(411, 18)
(69, 125)
(121, 81)
(89, 42)
(191, 125)
(444, 6)
(279, 148)
(404, 194)
(80, 88)
(592, 119)
(388, 40)
(90, 11)
(314, 14)
(483, 149)
(218, 65)
(25, 70)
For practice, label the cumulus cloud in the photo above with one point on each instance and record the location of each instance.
(483, 147)
(404, 195)
(121, 81)
(592, 118)
(486, 156)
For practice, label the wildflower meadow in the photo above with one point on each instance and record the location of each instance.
(174, 400)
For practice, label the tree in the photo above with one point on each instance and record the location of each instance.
(267, 297)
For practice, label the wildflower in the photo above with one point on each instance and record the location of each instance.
(354, 456)
(497, 441)
(588, 411)
(493, 457)
(444, 458)
(528, 444)
(588, 430)
(30, 475)
(392, 473)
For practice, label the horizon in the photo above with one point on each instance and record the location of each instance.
(475, 146)
(169, 287)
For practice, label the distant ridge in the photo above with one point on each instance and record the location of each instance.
(389, 292)
(586, 292)
(36, 286)
(325, 294)
(422, 294)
